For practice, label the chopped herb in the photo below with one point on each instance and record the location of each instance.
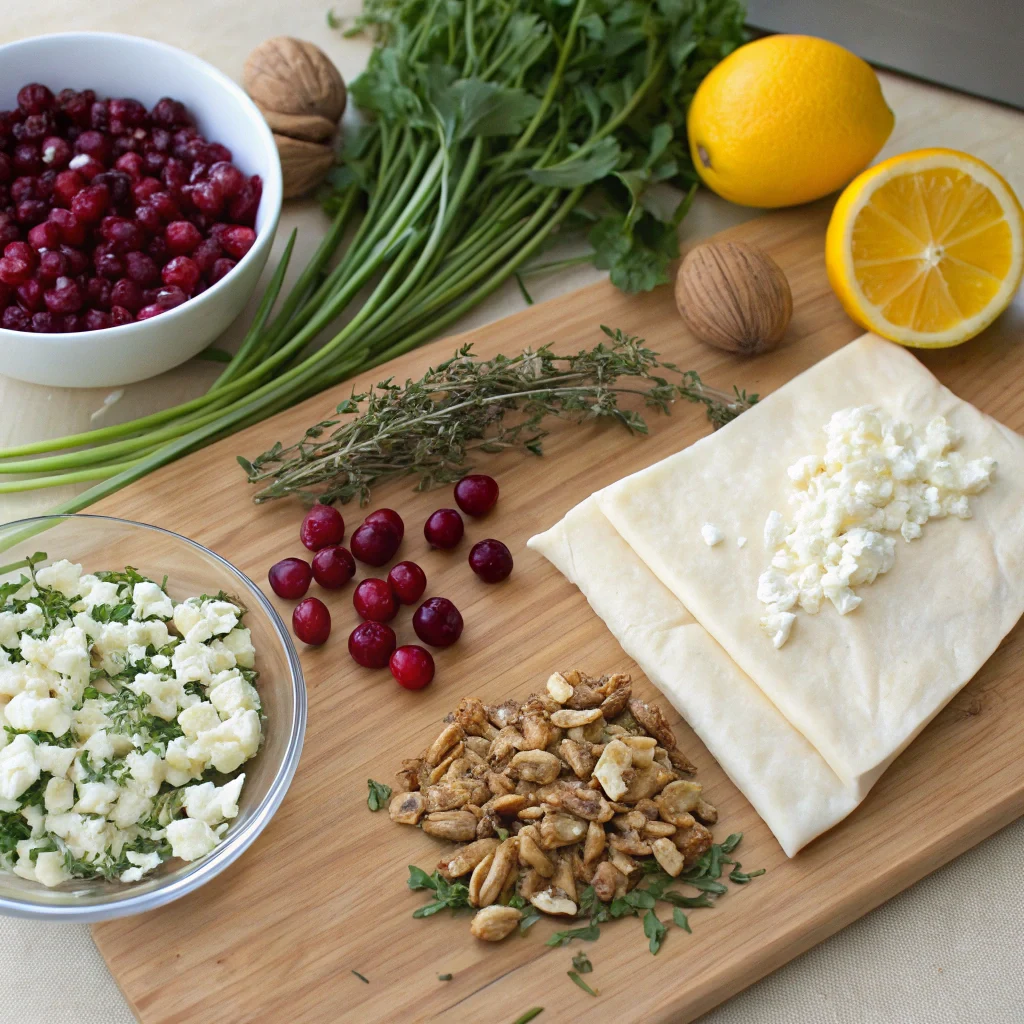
(333, 21)
(530, 917)
(732, 842)
(39, 737)
(502, 834)
(582, 984)
(680, 919)
(654, 930)
(690, 902)
(742, 877)
(449, 895)
(419, 879)
(361, 977)
(588, 934)
(581, 962)
(529, 1015)
(444, 977)
(708, 885)
(378, 796)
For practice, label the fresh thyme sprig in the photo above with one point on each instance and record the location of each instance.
(432, 427)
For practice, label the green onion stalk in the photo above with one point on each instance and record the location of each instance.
(489, 126)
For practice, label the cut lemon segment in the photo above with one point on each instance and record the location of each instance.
(927, 248)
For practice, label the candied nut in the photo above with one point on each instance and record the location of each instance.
(509, 888)
(537, 731)
(561, 830)
(505, 860)
(437, 774)
(500, 784)
(479, 875)
(531, 882)
(480, 745)
(618, 700)
(578, 758)
(492, 924)
(559, 688)
(666, 854)
(692, 843)
(459, 768)
(657, 830)
(610, 768)
(504, 745)
(595, 842)
(487, 826)
(646, 783)
(448, 796)
(653, 721)
(553, 901)
(531, 814)
(680, 762)
(633, 819)
(448, 737)
(472, 717)
(407, 808)
(585, 803)
(625, 864)
(408, 774)
(563, 877)
(705, 812)
(643, 749)
(504, 714)
(583, 696)
(629, 842)
(606, 881)
(676, 801)
(458, 826)
(568, 719)
(465, 858)
(507, 805)
(530, 853)
(648, 808)
(535, 766)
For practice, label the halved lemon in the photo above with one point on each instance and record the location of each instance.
(926, 248)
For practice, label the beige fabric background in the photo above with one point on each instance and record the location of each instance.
(947, 951)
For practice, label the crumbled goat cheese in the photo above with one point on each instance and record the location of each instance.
(876, 478)
(711, 535)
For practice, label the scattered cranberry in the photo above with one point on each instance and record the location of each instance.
(408, 581)
(477, 494)
(311, 621)
(491, 561)
(290, 578)
(375, 543)
(390, 517)
(412, 666)
(371, 644)
(107, 192)
(333, 567)
(444, 528)
(374, 600)
(322, 525)
(437, 622)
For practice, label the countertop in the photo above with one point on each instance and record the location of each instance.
(946, 951)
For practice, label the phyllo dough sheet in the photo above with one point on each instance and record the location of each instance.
(858, 687)
(789, 784)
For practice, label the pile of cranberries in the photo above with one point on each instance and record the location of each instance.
(373, 643)
(110, 213)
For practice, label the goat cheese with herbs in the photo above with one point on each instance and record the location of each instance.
(877, 478)
(121, 711)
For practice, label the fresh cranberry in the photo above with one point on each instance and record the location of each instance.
(14, 318)
(371, 644)
(144, 190)
(333, 567)
(374, 600)
(125, 113)
(322, 525)
(87, 166)
(72, 323)
(44, 236)
(47, 323)
(9, 230)
(150, 220)
(99, 116)
(412, 666)
(35, 99)
(52, 264)
(243, 208)
(22, 251)
(118, 184)
(109, 265)
(94, 144)
(237, 241)
(408, 581)
(127, 294)
(165, 206)
(14, 271)
(23, 188)
(119, 316)
(437, 622)
(182, 272)
(375, 543)
(97, 292)
(290, 578)
(91, 204)
(75, 106)
(311, 621)
(148, 312)
(207, 198)
(206, 254)
(157, 249)
(491, 561)
(221, 268)
(444, 528)
(228, 177)
(96, 320)
(132, 164)
(67, 185)
(476, 494)
(169, 113)
(78, 262)
(56, 152)
(389, 516)
(6, 169)
(175, 175)
(123, 234)
(64, 297)
(27, 158)
(183, 237)
(30, 295)
(170, 296)
(141, 268)
(30, 212)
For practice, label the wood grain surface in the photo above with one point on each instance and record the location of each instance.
(322, 892)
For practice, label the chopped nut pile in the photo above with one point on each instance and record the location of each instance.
(564, 791)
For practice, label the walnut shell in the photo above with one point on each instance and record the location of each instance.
(303, 164)
(307, 127)
(291, 76)
(734, 296)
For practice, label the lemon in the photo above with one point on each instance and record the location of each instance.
(927, 248)
(786, 119)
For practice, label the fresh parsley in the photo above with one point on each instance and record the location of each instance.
(654, 930)
(577, 980)
(378, 796)
(581, 962)
(447, 895)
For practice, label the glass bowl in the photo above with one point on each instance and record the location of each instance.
(102, 542)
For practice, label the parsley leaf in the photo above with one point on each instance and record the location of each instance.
(378, 796)
(654, 930)
(680, 919)
(581, 962)
(588, 934)
(576, 979)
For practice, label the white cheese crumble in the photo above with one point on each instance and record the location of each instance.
(711, 534)
(876, 478)
(117, 705)
(741, 542)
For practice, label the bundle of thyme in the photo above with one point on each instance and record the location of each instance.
(431, 428)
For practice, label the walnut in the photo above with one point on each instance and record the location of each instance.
(653, 721)
(666, 854)
(578, 758)
(302, 95)
(492, 924)
(465, 858)
(407, 808)
(692, 843)
(606, 881)
(472, 716)
(535, 766)
(458, 826)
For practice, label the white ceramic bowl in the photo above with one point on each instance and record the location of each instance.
(119, 65)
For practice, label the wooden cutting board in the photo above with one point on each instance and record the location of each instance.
(322, 892)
